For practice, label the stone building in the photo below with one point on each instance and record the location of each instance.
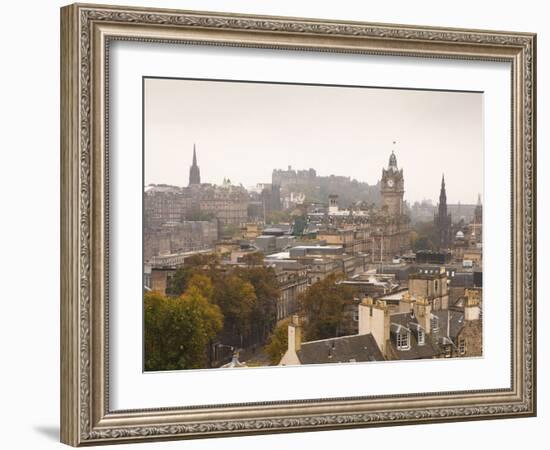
(293, 281)
(164, 203)
(469, 342)
(432, 286)
(228, 203)
(353, 238)
(177, 237)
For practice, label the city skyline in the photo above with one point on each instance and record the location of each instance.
(177, 116)
(258, 186)
(310, 269)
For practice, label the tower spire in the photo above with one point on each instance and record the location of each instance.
(443, 220)
(443, 194)
(194, 171)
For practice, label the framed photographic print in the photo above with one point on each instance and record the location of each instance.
(275, 224)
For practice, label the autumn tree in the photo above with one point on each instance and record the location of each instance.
(253, 259)
(277, 343)
(195, 264)
(323, 305)
(236, 298)
(177, 330)
(264, 311)
(246, 296)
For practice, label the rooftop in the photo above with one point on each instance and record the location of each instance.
(355, 348)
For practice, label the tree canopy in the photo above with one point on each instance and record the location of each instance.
(246, 297)
(277, 343)
(195, 264)
(323, 305)
(177, 330)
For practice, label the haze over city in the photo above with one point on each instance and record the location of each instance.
(243, 131)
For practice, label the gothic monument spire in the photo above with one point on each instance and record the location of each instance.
(443, 220)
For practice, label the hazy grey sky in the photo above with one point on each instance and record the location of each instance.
(244, 130)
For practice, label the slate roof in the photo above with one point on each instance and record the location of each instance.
(355, 348)
(450, 323)
(428, 350)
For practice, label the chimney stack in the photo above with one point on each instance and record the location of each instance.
(374, 318)
(472, 309)
(423, 312)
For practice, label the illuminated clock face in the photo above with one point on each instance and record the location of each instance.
(390, 182)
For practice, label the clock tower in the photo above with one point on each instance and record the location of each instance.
(392, 188)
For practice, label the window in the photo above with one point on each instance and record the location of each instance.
(462, 345)
(434, 323)
(402, 341)
(356, 315)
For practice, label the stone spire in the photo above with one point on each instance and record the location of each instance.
(443, 198)
(442, 219)
(194, 171)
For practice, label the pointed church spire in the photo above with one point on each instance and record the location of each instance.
(194, 171)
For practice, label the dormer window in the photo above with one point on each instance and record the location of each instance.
(421, 336)
(434, 324)
(403, 342)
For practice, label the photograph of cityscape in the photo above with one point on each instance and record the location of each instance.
(288, 224)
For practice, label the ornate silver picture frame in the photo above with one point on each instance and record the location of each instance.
(87, 34)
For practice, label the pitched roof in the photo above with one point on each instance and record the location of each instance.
(450, 323)
(429, 349)
(355, 348)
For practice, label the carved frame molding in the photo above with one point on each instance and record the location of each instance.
(86, 31)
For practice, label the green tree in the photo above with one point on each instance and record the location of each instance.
(203, 284)
(323, 305)
(177, 330)
(236, 298)
(277, 343)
